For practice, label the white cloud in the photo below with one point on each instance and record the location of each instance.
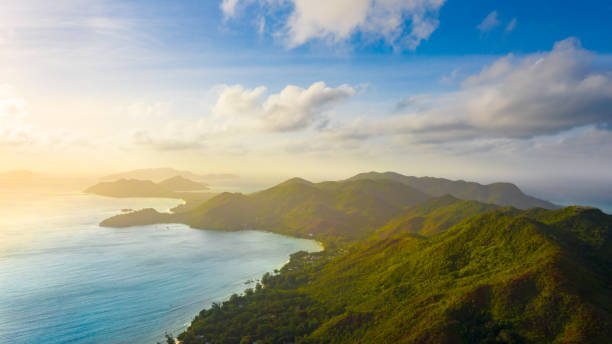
(511, 25)
(249, 114)
(403, 24)
(538, 95)
(293, 108)
(489, 23)
(228, 7)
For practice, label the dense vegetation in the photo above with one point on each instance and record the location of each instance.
(506, 276)
(407, 262)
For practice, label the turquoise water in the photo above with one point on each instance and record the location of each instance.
(63, 279)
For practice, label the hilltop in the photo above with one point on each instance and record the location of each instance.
(505, 194)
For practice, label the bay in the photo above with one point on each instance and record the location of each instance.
(64, 279)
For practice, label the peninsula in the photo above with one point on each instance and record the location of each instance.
(409, 259)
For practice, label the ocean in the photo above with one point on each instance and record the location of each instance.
(64, 279)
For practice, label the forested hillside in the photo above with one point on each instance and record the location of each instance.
(506, 276)
(404, 264)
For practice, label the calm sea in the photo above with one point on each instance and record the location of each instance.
(63, 279)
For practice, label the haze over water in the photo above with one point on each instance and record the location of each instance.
(65, 279)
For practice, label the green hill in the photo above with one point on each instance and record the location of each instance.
(505, 276)
(505, 194)
(343, 210)
(401, 266)
(347, 210)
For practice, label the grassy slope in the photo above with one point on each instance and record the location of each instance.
(505, 194)
(507, 276)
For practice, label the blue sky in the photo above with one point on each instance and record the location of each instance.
(461, 89)
(200, 24)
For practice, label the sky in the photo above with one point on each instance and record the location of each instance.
(481, 90)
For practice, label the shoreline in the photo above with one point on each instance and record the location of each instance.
(253, 280)
(175, 286)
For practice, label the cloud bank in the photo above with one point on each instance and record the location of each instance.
(513, 98)
(403, 24)
(248, 113)
(291, 109)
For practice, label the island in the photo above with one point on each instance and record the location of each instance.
(408, 260)
(193, 193)
(161, 173)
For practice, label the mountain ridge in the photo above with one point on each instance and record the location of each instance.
(501, 193)
(344, 210)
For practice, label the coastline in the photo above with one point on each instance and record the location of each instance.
(159, 277)
(244, 285)
(320, 247)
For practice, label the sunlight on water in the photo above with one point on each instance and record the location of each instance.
(65, 279)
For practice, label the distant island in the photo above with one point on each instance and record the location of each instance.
(131, 188)
(162, 173)
(411, 260)
(169, 188)
(193, 193)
